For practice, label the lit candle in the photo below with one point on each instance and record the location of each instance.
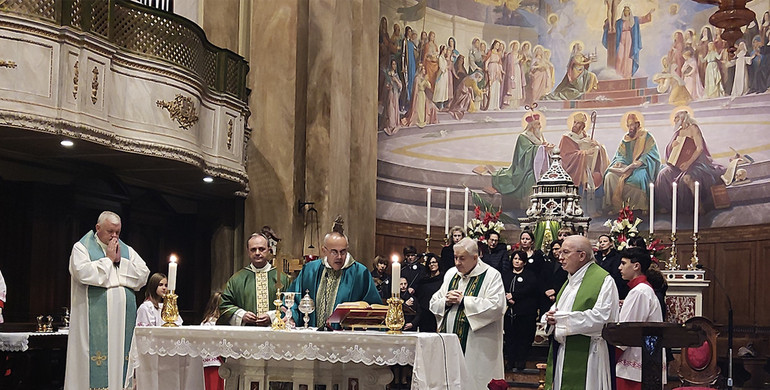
(172, 273)
(427, 225)
(446, 217)
(395, 278)
(652, 208)
(695, 212)
(465, 209)
(673, 209)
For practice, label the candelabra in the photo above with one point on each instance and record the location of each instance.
(278, 322)
(170, 309)
(694, 259)
(673, 262)
(394, 320)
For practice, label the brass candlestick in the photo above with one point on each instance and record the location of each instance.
(694, 259)
(673, 262)
(427, 244)
(278, 323)
(170, 310)
(394, 320)
(446, 240)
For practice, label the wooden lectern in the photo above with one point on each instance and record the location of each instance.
(653, 337)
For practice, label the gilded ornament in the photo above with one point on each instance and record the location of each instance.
(182, 110)
(75, 80)
(7, 64)
(230, 134)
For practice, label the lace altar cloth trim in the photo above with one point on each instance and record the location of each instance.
(263, 344)
(19, 341)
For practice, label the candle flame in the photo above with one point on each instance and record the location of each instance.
(394, 258)
(172, 258)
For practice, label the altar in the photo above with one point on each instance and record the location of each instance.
(256, 358)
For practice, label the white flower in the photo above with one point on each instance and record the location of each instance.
(608, 223)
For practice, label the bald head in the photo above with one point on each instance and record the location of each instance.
(576, 251)
(335, 249)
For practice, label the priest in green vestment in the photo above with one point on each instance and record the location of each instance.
(579, 357)
(331, 280)
(248, 296)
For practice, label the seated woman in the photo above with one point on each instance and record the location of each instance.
(578, 80)
(149, 311)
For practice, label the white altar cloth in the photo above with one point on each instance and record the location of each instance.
(437, 358)
(19, 341)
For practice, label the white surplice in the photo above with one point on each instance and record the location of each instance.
(588, 323)
(484, 347)
(131, 273)
(641, 305)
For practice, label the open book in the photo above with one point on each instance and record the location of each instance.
(358, 314)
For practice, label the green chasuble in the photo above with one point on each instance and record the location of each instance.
(355, 284)
(461, 325)
(577, 346)
(241, 293)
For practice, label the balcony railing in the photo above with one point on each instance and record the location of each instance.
(146, 31)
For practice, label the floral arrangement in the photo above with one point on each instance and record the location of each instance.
(479, 226)
(623, 228)
(657, 249)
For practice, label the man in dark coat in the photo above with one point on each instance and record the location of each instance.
(496, 254)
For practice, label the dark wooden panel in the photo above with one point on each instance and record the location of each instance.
(762, 283)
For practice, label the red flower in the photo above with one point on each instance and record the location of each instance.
(487, 217)
(476, 212)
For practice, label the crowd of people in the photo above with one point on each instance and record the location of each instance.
(535, 287)
(420, 76)
(702, 67)
(491, 296)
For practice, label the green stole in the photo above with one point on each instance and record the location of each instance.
(573, 375)
(98, 320)
(461, 325)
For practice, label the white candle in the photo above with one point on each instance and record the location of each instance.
(446, 217)
(395, 278)
(673, 209)
(695, 212)
(427, 225)
(465, 209)
(172, 273)
(652, 208)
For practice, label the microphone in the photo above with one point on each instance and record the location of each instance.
(729, 325)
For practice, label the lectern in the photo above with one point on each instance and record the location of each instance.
(653, 337)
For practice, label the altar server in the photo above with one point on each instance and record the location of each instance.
(105, 272)
(249, 294)
(579, 357)
(471, 304)
(641, 305)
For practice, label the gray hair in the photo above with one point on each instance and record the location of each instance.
(467, 245)
(108, 216)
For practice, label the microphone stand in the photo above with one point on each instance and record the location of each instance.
(729, 327)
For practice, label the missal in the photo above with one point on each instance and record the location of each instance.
(358, 315)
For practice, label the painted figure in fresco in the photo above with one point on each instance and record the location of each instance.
(578, 80)
(584, 159)
(390, 108)
(423, 111)
(452, 47)
(713, 79)
(636, 164)
(687, 160)
(494, 66)
(408, 65)
(701, 50)
(475, 56)
(540, 75)
(668, 80)
(444, 90)
(612, 9)
(530, 161)
(741, 79)
(526, 65)
(675, 55)
(430, 59)
(628, 42)
(513, 86)
(691, 75)
(467, 96)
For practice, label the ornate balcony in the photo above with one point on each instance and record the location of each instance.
(122, 80)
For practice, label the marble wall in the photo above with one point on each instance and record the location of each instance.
(313, 77)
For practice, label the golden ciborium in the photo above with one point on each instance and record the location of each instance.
(170, 310)
(394, 320)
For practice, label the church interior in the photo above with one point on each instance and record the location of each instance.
(201, 121)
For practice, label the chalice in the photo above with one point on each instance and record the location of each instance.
(306, 306)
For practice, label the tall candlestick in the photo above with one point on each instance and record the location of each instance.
(395, 278)
(446, 217)
(465, 209)
(172, 272)
(427, 225)
(652, 208)
(673, 209)
(695, 211)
